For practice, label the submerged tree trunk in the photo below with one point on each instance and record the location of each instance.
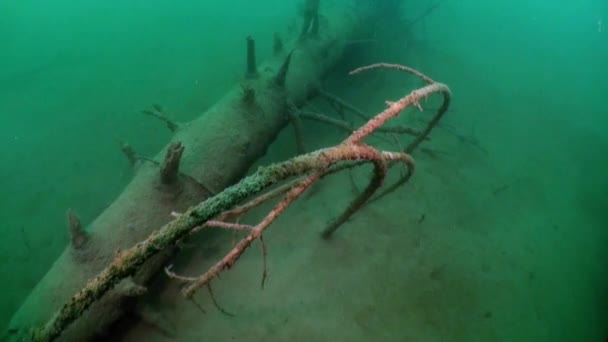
(205, 156)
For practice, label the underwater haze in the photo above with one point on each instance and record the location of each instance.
(500, 235)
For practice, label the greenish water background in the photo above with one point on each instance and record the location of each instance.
(529, 81)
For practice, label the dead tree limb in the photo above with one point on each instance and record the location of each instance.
(315, 164)
(413, 99)
(128, 261)
(78, 235)
(354, 141)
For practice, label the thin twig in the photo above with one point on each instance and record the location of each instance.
(345, 126)
(399, 67)
(264, 253)
(216, 304)
(342, 103)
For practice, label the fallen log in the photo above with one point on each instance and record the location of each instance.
(204, 157)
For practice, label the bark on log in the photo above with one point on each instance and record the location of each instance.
(227, 129)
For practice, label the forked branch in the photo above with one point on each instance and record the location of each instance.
(313, 166)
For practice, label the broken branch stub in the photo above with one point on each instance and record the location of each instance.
(281, 76)
(311, 18)
(277, 46)
(129, 152)
(78, 235)
(170, 168)
(252, 71)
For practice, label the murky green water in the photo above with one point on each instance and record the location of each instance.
(507, 207)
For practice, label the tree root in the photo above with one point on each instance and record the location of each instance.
(313, 166)
(379, 159)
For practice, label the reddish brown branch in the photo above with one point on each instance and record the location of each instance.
(354, 141)
(315, 165)
(374, 184)
(395, 108)
(323, 159)
(399, 67)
